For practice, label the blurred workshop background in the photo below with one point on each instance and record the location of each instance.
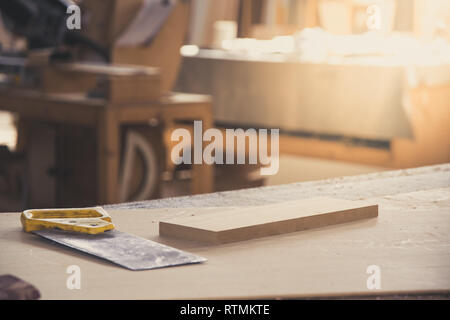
(355, 86)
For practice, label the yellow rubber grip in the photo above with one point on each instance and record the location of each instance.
(85, 220)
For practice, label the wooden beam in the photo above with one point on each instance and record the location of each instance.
(335, 151)
(261, 221)
(108, 155)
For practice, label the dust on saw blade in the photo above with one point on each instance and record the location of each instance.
(123, 249)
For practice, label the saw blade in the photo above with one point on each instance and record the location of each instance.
(123, 249)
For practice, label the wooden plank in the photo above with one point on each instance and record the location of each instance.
(63, 108)
(55, 81)
(132, 90)
(107, 69)
(245, 224)
(116, 83)
(335, 150)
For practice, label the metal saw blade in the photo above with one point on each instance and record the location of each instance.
(124, 249)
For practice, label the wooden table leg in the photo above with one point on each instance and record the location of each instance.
(108, 131)
(203, 174)
(22, 126)
(202, 178)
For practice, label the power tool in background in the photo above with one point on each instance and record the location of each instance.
(43, 24)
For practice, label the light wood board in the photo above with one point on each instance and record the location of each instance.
(268, 220)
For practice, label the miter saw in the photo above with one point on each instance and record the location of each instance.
(43, 24)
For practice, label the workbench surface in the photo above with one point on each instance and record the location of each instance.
(409, 242)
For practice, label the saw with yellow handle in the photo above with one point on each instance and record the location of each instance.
(91, 230)
(88, 220)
